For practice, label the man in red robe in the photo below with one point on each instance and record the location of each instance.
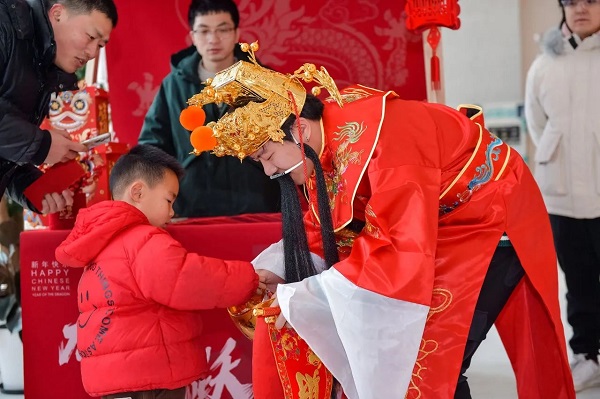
(423, 230)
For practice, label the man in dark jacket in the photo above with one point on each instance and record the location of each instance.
(42, 44)
(211, 186)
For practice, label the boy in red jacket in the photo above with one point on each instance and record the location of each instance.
(140, 292)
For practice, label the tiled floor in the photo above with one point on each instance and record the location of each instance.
(490, 375)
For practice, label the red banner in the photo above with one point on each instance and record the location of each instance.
(358, 41)
(49, 298)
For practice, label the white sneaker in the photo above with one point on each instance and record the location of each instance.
(586, 373)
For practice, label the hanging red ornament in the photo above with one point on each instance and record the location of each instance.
(202, 139)
(192, 117)
(432, 14)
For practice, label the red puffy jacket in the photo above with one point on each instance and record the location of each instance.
(139, 300)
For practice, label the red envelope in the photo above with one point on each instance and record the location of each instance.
(57, 178)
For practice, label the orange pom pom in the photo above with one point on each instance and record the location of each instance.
(202, 139)
(192, 117)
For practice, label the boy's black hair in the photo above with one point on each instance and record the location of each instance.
(204, 7)
(145, 162)
(106, 7)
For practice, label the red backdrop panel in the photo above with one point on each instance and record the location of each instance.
(49, 297)
(358, 41)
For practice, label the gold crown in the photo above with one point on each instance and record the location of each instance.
(263, 99)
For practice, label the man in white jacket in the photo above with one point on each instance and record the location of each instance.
(562, 97)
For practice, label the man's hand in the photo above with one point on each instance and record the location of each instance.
(62, 147)
(269, 279)
(56, 202)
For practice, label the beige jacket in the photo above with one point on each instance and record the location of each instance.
(562, 107)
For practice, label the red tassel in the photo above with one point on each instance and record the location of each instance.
(433, 38)
(435, 73)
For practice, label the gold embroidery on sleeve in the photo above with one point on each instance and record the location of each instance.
(443, 298)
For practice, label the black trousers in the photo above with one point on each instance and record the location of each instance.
(577, 244)
(503, 275)
(154, 394)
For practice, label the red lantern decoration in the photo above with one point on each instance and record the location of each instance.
(432, 14)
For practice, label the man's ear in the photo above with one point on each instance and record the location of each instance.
(56, 12)
(237, 34)
(193, 37)
(305, 129)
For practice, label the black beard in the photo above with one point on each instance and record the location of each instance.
(298, 262)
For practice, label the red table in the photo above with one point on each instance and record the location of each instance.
(49, 292)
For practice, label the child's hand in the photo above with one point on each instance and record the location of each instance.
(269, 279)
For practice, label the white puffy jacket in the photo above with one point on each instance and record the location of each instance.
(562, 107)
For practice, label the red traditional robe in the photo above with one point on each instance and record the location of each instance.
(436, 191)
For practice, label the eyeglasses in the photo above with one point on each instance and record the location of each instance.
(219, 33)
(573, 3)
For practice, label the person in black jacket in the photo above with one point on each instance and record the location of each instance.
(212, 186)
(42, 44)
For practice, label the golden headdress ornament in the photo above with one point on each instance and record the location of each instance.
(263, 99)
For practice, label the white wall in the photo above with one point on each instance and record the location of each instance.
(487, 59)
(482, 60)
(537, 16)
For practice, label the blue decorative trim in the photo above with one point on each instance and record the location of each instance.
(483, 174)
(486, 170)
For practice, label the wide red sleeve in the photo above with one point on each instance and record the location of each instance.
(394, 255)
(168, 274)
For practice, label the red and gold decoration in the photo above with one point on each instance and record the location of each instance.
(244, 316)
(83, 113)
(102, 160)
(433, 14)
(299, 369)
